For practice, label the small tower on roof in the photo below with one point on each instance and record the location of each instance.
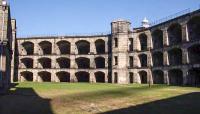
(145, 23)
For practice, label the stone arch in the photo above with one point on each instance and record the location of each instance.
(193, 78)
(194, 54)
(175, 56)
(143, 41)
(131, 77)
(158, 77)
(29, 47)
(83, 76)
(63, 76)
(27, 76)
(194, 28)
(46, 47)
(143, 60)
(83, 62)
(100, 46)
(83, 47)
(64, 47)
(143, 77)
(157, 37)
(27, 62)
(175, 77)
(157, 59)
(44, 62)
(63, 62)
(175, 34)
(44, 76)
(100, 77)
(100, 62)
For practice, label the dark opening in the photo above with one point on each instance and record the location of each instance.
(46, 47)
(28, 76)
(130, 44)
(158, 77)
(63, 76)
(194, 54)
(83, 47)
(116, 42)
(131, 78)
(143, 77)
(194, 28)
(143, 60)
(175, 34)
(63, 62)
(83, 76)
(64, 47)
(45, 76)
(194, 77)
(100, 62)
(100, 46)
(131, 61)
(28, 62)
(45, 62)
(83, 62)
(175, 77)
(157, 37)
(115, 77)
(157, 59)
(100, 77)
(143, 42)
(175, 56)
(29, 48)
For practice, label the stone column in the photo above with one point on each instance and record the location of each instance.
(35, 76)
(92, 47)
(106, 77)
(73, 76)
(53, 47)
(185, 57)
(106, 62)
(185, 74)
(73, 48)
(92, 77)
(165, 37)
(185, 37)
(73, 62)
(106, 46)
(165, 58)
(36, 48)
(136, 78)
(92, 62)
(166, 77)
(35, 62)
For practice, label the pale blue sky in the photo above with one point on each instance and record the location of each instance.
(46, 17)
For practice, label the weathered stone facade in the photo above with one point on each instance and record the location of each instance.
(167, 53)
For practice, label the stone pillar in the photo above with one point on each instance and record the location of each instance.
(73, 62)
(106, 77)
(53, 76)
(165, 37)
(73, 76)
(185, 74)
(185, 57)
(35, 76)
(185, 37)
(136, 78)
(149, 60)
(166, 77)
(165, 58)
(36, 49)
(150, 78)
(73, 48)
(106, 46)
(35, 62)
(92, 47)
(92, 77)
(92, 62)
(53, 47)
(106, 62)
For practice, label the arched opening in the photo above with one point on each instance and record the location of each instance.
(175, 77)
(44, 76)
(46, 47)
(175, 34)
(100, 46)
(63, 62)
(100, 77)
(83, 62)
(64, 47)
(193, 77)
(63, 76)
(175, 56)
(157, 59)
(194, 54)
(83, 76)
(44, 62)
(100, 62)
(158, 77)
(143, 60)
(157, 37)
(143, 42)
(27, 76)
(29, 48)
(27, 62)
(83, 47)
(115, 77)
(143, 77)
(131, 77)
(194, 28)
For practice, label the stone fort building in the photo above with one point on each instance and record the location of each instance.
(165, 53)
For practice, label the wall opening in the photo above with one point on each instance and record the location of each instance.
(157, 37)
(45, 76)
(157, 59)
(175, 56)
(45, 62)
(83, 63)
(63, 76)
(64, 47)
(131, 78)
(100, 46)
(194, 54)
(194, 28)
(63, 62)
(100, 62)
(143, 42)
(175, 77)
(143, 60)
(29, 48)
(100, 77)
(27, 62)
(83, 76)
(83, 47)
(175, 34)
(46, 47)
(158, 77)
(143, 77)
(28, 76)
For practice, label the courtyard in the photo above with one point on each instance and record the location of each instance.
(87, 98)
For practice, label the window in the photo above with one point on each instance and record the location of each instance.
(116, 60)
(115, 77)
(131, 61)
(116, 42)
(131, 44)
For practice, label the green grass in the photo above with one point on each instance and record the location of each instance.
(85, 98)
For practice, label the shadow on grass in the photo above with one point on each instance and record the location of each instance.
(24, 101)
(183, 104)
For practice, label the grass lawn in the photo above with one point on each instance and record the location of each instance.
(84, 98)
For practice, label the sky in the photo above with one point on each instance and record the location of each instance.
(71, 17)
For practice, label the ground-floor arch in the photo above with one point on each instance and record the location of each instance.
(100, 77)
(44, 76)
(63, 76)
(143, 77)
(158, 77)
(82, 76)
(27, 76)
(193, 77)
(175, 77)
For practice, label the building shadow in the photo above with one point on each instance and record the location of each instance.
(183, 104)
(24, 101)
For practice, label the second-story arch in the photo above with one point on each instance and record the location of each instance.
(63, 62)
(83, 47)
(175, 34)
(175, 56)
(45, 47)
(157, 59)
(29, 47)
(157, 37)
(143, 60)
(83, 62)
(100, 46)
(27, 62)
(194, 28)
(100, 62)
(64, 47)
(194, 54)
(44, 62)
